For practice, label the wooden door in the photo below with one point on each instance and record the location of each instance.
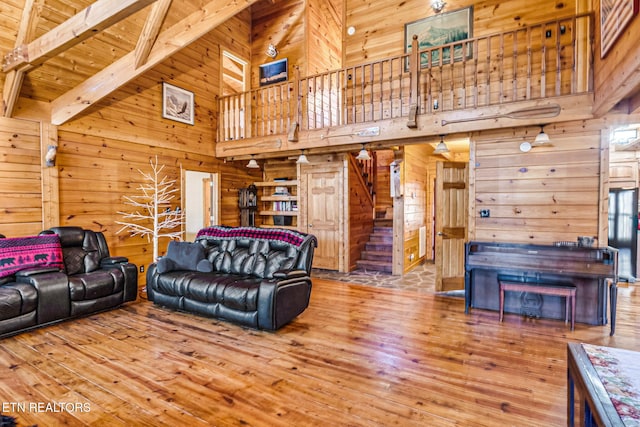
(324, 213)
(207, 208)
(451, 202)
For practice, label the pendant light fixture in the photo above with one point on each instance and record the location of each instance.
(363, 154)
(302, 159)
(542, 137)
(441, 148)
(253, 164)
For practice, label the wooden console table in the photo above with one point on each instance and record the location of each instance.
(607, 381)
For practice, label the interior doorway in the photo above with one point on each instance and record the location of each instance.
(201, 201)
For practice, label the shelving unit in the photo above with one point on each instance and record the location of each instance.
(278, 210)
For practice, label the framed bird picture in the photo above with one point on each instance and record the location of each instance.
(177, 104)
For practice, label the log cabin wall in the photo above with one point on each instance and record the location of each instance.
(417, 211)
(618, 71)
(283, 25)
(551, 193)
(20, 178)
(377, 36)
(324, 35)
(101, 152)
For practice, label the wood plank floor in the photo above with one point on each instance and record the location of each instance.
(359, 356)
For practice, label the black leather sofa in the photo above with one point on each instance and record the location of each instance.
(250, 276)
(86, 280)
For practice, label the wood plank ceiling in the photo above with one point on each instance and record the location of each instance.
(73, 53)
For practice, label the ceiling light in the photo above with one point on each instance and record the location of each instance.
(363, 154)
(302, 159)
(441, 147)
(253, 164)
(541, 138)
(437, 5)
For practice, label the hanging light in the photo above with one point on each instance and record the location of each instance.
(542, 137)
(253, 164)
(302, 159)
(441, 147)
(363, 154)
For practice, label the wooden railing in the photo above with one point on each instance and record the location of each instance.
(549, 59)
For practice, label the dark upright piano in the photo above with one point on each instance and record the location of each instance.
(593, 271)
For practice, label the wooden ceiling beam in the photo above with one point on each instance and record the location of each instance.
(151, 30)
(100, 15)
(14, 78)
(124, 70)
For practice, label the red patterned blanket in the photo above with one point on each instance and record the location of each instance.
(289, 236)
(19, 253)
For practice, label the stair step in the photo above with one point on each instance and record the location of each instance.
(381, 238)
(382, 230)
(377, 256)
(378, 247)
(383, 222)
(374, 265)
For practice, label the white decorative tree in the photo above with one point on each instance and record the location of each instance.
(153, 206)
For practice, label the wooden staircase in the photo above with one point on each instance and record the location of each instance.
(378, 252)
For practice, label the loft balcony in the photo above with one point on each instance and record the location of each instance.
(536, 74)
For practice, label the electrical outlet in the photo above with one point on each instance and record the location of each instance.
(142, 269)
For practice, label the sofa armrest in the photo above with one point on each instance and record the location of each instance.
(54, 302)
(288, 274)
(280, 301)
(113, 260)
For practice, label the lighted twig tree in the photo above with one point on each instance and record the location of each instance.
(153, 207)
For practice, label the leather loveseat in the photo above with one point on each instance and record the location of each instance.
(63, 273)
(250, 276)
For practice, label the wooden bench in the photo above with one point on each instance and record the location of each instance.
(566, 291)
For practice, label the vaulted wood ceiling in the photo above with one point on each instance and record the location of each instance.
(73, 53)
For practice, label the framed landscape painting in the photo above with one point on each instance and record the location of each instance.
(177, 104)
(438, 30)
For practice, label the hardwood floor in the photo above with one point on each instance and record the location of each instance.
(359, 356)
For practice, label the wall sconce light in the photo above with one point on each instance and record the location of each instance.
(253, 164)
(441, 148)
(351, 30)
(50, 155)
(363, 154)
(271, 52)
(437, 5)
(302, 159)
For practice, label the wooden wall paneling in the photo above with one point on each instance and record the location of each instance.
(50, 177)
(548, 194)
(605, 185)
(417, 163)
(324, 32)
(284, 27)
(21, 213)
(377, 36)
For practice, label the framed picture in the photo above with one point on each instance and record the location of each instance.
(438, 30)
(614, 17)
(177, 104)
(274, 72)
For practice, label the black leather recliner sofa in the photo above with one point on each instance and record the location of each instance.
(86, 280)
(250, 276)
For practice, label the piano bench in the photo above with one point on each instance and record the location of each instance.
(566, 291)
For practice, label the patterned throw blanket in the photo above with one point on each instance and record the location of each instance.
(221, 232)
(620, 374)
(19, 253)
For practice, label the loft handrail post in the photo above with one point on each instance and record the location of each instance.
(294, 126)
(414, 72)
